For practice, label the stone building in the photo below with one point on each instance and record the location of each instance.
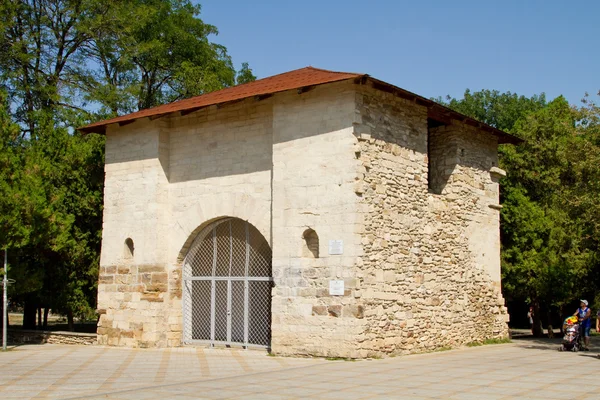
(311, 212)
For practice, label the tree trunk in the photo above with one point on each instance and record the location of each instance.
(29, 310)
(537, 322)
(561, 314)
(70, 321)
(46, 310)
(39, 318)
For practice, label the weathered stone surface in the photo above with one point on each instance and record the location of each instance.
(319, 310)
(353, 311)
(439, 287)
(334, 311)
(150, 268)
(123, 269)
(106, 279)
(18, 336)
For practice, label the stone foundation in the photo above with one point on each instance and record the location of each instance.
(139, 309)
(40, 337)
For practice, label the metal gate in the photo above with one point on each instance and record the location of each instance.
(227, 286)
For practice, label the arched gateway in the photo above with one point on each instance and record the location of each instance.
(227, 279)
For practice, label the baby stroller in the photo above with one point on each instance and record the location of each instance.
(572, 339)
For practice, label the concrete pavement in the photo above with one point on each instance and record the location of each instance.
(525, 369)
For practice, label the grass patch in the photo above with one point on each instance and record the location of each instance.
(488, 341)
(445, 348)
(497, 341)
(340, 359)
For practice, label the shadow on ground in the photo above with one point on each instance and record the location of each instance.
(553, 344)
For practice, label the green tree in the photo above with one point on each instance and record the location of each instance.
(64, 63)
(548, 251)
(41, 42)
(543, 256)
(245, 75)
(152, 52)
(50, 212)
(581, 196)
(73, 180)
(64, 56)
(500, 110)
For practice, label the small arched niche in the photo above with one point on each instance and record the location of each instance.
(311, 244)
(128, 249)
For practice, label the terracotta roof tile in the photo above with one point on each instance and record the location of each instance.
(296, 79)
(299, 78)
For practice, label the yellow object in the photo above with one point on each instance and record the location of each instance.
(571, 320)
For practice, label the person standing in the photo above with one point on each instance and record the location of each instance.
(584, 314)
(530, 317)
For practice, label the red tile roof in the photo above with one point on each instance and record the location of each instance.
(296, 79)
(308, 76)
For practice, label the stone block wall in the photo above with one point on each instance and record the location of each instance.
(470, 185)
(314, 168)
(165, 180)
(220, 165)
(18, 337)
(422, 284)
(132, 286)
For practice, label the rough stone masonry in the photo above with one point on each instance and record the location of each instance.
(412, 200)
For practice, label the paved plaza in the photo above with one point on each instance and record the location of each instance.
(526, 368)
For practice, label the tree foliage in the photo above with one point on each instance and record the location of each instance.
(549, 220)
(151, 52)
(64, 63)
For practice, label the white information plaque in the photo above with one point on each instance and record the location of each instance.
(336, 247)
(336, 288)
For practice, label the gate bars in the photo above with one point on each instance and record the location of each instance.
(227, 286)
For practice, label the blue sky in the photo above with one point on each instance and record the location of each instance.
(432, 48)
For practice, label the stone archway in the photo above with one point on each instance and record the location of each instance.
(227, 279)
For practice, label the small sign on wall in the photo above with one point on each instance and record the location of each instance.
(336, 247)
(336, 288)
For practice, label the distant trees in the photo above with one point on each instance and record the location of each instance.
(550, 247)
(64, 63)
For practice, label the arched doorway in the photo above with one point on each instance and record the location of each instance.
(227, 278)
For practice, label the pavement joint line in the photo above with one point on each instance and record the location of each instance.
(24, 356)
(117, 373)
(243, 363)
(559, 382)
(204, 367)
(161, 374)
(62, 381)
(280, 361)
(36, 369)
(514, 366)
(191, 382)
(453, 351)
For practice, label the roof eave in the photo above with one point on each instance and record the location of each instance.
(503, 137)
(101, 127)
(437, 109)
(94, 129)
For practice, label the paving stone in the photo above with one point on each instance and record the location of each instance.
(505, 371)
